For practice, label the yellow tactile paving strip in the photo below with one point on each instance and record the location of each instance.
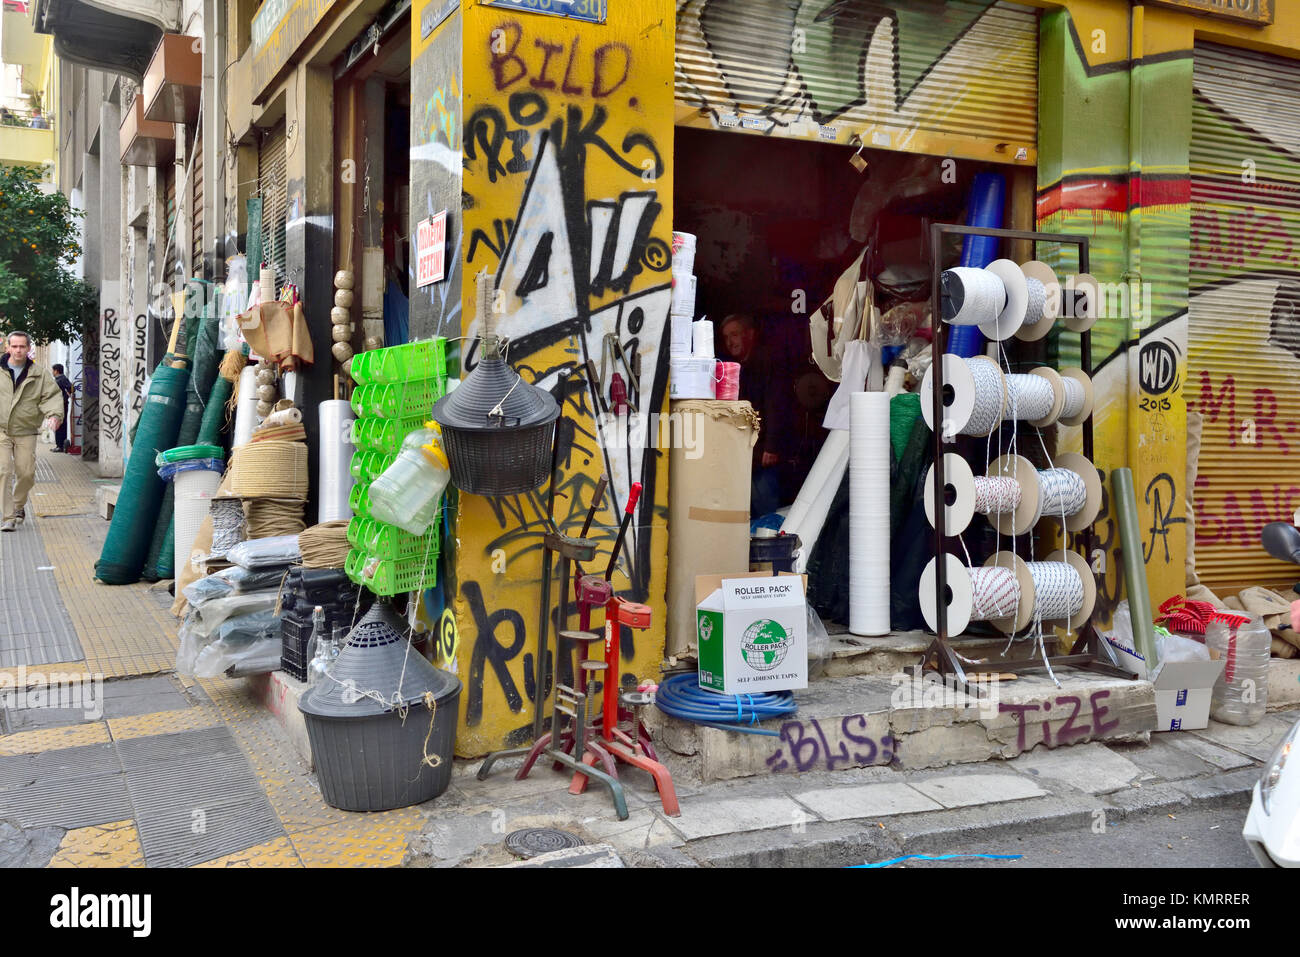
(277, 853)
(107, 845)
(30, 676)
(53, 739)
(126, 631)
(162, 722)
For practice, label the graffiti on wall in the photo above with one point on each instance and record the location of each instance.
(110, 378)
(826, 70)
(139, 365)
(566, 184)
(88, 435)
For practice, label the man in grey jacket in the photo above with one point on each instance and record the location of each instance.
(27, 393)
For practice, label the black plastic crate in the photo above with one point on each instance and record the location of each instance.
(295, 632)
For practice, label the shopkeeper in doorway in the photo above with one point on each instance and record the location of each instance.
(764, 385)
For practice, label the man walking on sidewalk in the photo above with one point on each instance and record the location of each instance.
(65, 386)
(27, 392)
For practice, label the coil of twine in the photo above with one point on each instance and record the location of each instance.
(325, 545)
(227, 525)
(981, 293)
(1062, 491)
(1058, 590)
(988, 405)
(995, 593)
(270, 469)
(996, 495)
(1074, 398)
(1029, 396)
(1037, 299)
(269, 517)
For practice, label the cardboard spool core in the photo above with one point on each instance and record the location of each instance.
(1081, 377)
(1022, 470)
(1089, 585)
(1012, 316)
(1051, 304)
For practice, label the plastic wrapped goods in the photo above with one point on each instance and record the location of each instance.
(261, 552)
(1241, 693)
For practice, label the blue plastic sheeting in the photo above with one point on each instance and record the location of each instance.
(987, 197)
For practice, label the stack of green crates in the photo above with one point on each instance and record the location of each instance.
(396, 390)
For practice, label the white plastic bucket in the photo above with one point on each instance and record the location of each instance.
(193, 496)
(691, 377)
(681, 342)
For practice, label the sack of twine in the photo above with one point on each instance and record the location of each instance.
(270, 469)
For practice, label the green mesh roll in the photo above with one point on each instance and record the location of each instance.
(904, 409)
(135, 514)
(202, 332)
(214, 416)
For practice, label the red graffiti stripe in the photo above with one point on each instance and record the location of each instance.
(1117, 194)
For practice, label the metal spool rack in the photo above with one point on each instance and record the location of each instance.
(1089, 651)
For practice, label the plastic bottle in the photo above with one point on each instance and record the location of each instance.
(1241, 694)
(408, 492)
(319, 648)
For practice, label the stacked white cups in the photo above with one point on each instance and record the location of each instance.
(691, 363)
(869, 550)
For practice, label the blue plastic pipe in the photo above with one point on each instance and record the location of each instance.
(987, 197)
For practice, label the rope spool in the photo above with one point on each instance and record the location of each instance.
(271, 518)
(1001, 593)
(227, 525)
(974, 396)
(971, 296)
(1072, 488)
(325, 545)
(270, 469)
(1001, 496)
(1078, 404)
(1029, 397)
(1012, 317)
(1064, 589)
(1042, 314)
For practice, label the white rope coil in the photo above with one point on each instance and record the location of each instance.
(1037, 300)
(988, 403)
(996, 496)
(982, 295)
(1058, 590)
(1029, 397)
(1062, 492)
(227, 525)
(1074, 397)
(995, 593)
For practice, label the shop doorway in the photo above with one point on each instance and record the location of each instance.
(778, 222)
(372, 131)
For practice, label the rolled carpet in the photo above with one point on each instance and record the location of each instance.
(136, 512)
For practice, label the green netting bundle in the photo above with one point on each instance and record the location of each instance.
(136, 512)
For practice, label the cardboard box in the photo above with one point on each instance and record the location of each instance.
(752, 631)
(1183, 691)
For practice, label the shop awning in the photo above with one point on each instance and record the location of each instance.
(116, 36)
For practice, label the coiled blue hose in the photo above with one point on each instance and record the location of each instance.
(682, 697)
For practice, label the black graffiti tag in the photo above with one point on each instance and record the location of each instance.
(1162, 515)
(488, 649)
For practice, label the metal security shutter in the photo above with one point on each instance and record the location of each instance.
(196, 208)
(273, 185)
(967, 68)
(168, 174)
(1244, 309)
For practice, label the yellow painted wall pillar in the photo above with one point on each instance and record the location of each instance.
(567, 146)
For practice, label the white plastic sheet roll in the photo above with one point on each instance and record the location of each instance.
(266, 284)
(293, 386)
(336, 448)
(682, 336)
(683, 300)
(703, 339)
(808, 514)
(690, 377)
(246, 407)
(869, 513)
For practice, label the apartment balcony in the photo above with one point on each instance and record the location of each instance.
(116, 36)
(23, 145)
(173, 80)
(20, 45)
(145, 142)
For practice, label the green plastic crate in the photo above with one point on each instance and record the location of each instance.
(426, 359)
(399, 400)
(372, 434)
(359, 499)
(386, 578)
(368, 466)
(391, 543)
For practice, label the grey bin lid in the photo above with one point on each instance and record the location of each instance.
(372, 660)
(491, 383)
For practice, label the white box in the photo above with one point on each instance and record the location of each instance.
(1183, 694)
(752, 632)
